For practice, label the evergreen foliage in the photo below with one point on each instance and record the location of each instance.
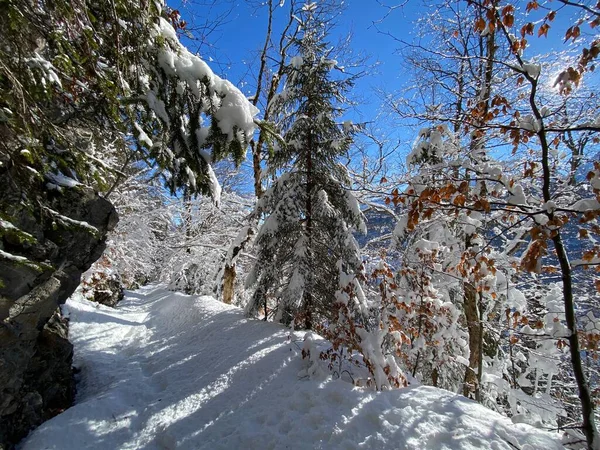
(88, 91)
(309, 212)
(87, 88)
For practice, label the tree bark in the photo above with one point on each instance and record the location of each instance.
(308, 297)
(256, 158)
(228, 284)
(473, 315)
(587, 405)
(471, 383)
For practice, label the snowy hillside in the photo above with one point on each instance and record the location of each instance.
(166, 371)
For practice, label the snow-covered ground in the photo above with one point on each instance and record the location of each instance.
(166, 371)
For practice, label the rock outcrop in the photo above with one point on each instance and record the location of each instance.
(48, 238)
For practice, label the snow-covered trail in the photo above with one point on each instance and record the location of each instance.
(167, 371)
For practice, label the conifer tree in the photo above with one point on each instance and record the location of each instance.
(309, 214)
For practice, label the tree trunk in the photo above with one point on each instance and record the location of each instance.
(308, 297)
(187, 220)
(229, 271)
(587, 405)
(473, 315)
(228, 284)
(256, 157)
(471, 383)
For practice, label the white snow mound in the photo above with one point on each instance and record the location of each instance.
(170, 371)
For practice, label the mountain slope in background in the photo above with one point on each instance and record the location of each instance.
(166, 371)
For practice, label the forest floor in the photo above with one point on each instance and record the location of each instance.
(165, 370)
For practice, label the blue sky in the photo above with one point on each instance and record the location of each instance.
(234, 46)
(238, 39)
(232, 49)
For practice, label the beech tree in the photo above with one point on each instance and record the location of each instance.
(543, 201)
(449, 77)
(536, 202)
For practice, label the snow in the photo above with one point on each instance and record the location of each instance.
(191, 177)
(214, 186)
(45, 67)
(166, 30)
(296, 62)
(550, 206)
(330, 63)
(529, 123)
(516, 299)
(202, 134)
(158, 106)
(11, 257)
(142, 136)
(67, 221)
(533, 70)
(426, 247)
(234, 114)
(354, 207)
(517, 195)
(166, 370)
(586, 204)
(309, 6)
(5, 225)
(59, 179)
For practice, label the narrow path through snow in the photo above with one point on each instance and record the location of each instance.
(171, 371)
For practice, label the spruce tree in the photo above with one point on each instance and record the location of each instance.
(305, 241)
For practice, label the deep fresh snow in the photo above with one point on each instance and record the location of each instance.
(166, 371)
